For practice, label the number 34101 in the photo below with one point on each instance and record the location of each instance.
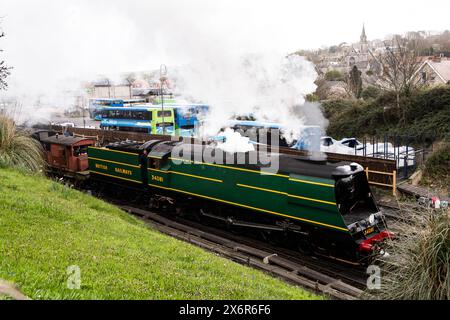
(157, 178)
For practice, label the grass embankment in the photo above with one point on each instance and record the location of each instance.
(46, 227)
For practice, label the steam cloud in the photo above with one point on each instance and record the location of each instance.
(55, 46)
(266, 85)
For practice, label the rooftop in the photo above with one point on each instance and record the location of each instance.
(65, 141)
(442, 68)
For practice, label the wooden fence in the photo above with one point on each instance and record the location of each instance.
(390, 175)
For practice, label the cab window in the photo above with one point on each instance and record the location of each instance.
(80, 151)
(154, 163)
(165, 113)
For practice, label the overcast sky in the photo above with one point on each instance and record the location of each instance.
(64, 37)
(289, 23)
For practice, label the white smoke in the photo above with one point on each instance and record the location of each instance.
(55, 47)
(234, 142)
(268, 86)
(236, 68)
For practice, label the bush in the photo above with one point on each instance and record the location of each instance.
(312, 97)
(370, 92)
(334, 75)
(428, 101)
(437, 166)
(418, 267)
(426, 116)
(17, 149)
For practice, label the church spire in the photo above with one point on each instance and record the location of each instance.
(363, 35)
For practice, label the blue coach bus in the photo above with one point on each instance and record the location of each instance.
(96, 105)
(187, 115)
(177, 119)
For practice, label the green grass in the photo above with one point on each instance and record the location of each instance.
(46, 227)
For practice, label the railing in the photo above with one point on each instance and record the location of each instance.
(392, 185)
(85, 136)
(407, 155)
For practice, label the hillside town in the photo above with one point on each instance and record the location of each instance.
(335, 63)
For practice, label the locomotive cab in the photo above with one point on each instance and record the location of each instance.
(358, 208)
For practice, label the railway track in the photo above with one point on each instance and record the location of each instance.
(317, 276)
(393, 215)
(351, 274)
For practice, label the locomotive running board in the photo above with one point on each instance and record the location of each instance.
(240, 223)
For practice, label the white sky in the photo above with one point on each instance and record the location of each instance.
(74, 37)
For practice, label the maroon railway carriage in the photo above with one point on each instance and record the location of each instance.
(67, 154)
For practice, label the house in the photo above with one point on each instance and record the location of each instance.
(434, 71)
(105, 88)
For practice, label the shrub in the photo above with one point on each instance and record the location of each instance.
(424, 119)
(334, 75)
(418, 267)
(370, 92)
(437, 166)
(312, 97)
(17, 149)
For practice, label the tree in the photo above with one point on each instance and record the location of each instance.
(399, 65)
(333, 49)
(354, 82)
(4, 70)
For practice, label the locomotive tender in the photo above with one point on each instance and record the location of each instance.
(324, 208)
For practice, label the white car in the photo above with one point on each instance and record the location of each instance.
(328, 144)
(67, 124)
(372, 150)
(64, 124)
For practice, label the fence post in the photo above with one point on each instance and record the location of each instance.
(423, 153)
(373, 147)
(405, 167)
(394, 183)
(367, 173)
(377, 146)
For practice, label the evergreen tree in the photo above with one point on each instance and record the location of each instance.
(354, 82)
